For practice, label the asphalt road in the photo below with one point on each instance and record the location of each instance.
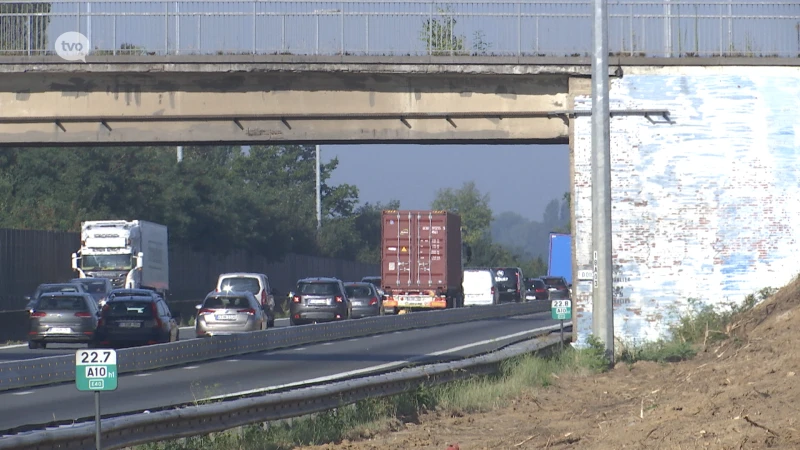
(262, 371)
(19, 352)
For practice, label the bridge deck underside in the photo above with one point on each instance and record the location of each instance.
(252, 108)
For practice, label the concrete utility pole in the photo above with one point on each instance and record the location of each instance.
(602, 292)
(319, 194)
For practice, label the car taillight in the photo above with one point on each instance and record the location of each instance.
(263, 297)
(158, 323)
(492, 290)
(539, 289)
(206, 311)
(249, 311)
(373, 301)
(38, 314)
(339, 299)
(83, 314)
(296, 299)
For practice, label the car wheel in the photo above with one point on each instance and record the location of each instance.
(33, 345)
(177, 334)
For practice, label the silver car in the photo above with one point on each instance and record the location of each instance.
(229, 312)
(63, 317)
(365, 298)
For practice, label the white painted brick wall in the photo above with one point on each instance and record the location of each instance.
(708, 207)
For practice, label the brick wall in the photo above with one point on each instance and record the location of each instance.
(706, 208)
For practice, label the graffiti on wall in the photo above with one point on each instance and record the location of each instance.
(703, 208)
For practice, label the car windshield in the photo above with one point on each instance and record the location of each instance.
(57, 288)
(317, 289)
(94, 286)
(358, 291)
(106, 262)
(131, 308)
(226, 302)
(534, 284)
(372, 280)
(62, 304)
(506, 278)
(554, 281)
(240, 284)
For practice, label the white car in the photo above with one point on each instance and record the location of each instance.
(255, 283)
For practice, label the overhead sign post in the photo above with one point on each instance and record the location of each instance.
(96, 370)
(561, 310)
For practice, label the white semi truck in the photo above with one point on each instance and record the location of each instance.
(132, 254)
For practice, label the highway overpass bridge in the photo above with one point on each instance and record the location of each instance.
(704, 205)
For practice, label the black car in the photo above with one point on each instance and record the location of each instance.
(510, 284)
(136, 317)
(536, 289)
(319, 300)
(558, 288)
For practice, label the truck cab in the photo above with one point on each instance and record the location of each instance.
(131, 254)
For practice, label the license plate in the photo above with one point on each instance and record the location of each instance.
(61, 330)
(317, 302)
(130, 325)
(225, 317)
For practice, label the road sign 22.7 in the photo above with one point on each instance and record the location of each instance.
(96, 370)
(96, 357)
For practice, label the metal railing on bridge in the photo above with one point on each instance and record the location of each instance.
(658, 28)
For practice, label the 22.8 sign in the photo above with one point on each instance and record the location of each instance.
(96, 370)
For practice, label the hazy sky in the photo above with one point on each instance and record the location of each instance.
(518, 178)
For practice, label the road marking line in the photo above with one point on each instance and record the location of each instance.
(232, 360)
(190, 367)
(23, 393)
(379, 367)
(327, 343)
(13, 346)
(143, 374)
(301, 348)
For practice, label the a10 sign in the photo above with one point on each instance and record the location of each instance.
(561, 309)
(96, 370)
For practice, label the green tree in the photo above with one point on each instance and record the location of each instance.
(23, 28)
(439, 34)
(356, 237)
(471, 205)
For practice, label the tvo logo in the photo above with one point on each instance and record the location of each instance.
(72, 46)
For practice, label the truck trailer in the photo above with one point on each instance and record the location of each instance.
(422, 260)
(132, 254)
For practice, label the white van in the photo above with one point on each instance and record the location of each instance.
(479, 287)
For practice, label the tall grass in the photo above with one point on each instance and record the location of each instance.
(700, 326)
(517, 376)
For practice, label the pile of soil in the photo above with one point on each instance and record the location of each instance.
(742, 393)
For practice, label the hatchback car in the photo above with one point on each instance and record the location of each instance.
(256, 283)
(52, 287)
(229, 312)
(365, 298)
(558, 288)
(63, 317)
(510, 285)
(99, 288)
(536, 289)
(136, 318)
(319, 300)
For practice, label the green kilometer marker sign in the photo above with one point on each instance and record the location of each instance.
(561, 309)
(96, 370)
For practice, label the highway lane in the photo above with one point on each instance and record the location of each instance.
(246, 373)
(19, 352)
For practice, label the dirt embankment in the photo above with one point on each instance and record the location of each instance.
(743, 393)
